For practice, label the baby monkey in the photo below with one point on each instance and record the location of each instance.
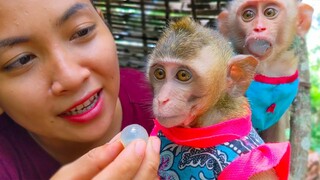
(269, 30)
(202, 117)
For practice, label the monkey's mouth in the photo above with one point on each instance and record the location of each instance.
(259, 47)
(170, 121)
(166, 118)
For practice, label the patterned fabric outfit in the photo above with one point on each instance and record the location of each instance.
(270, 97)
(228, 150)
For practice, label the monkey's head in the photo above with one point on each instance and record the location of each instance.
(192, 72)
(264, 28)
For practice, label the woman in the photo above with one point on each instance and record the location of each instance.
(60, 96)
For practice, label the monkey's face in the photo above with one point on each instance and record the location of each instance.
(174, 92)
(263, 28)
(183, 90)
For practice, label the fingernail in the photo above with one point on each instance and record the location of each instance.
(155, 144)
(140, 147)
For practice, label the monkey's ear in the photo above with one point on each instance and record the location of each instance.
(241, 70)
(222, 22)
(304, 20)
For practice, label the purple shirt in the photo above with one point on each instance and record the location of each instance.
(22, 158)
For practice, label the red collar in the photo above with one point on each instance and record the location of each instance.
(276, 80)
(208, 136)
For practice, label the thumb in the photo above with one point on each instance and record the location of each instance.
(91, 163)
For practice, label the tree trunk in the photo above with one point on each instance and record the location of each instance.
(300, 122)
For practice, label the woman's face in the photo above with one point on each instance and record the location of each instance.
(59, 74)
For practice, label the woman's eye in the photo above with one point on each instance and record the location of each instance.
(248, 15)
(159, 74)
(20, 62)
(83, 32)
(183, 75)
(270, 12)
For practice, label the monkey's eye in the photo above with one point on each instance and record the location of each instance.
(248, 15)
(270, 12)
(183, 75)
(159, 74)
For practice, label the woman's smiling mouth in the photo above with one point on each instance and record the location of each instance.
(86, 109)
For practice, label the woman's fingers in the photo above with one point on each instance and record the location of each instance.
(90, 164)
(150, 164)
(127, 164)
(111, 161)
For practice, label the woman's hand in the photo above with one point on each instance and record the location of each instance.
(112, 161)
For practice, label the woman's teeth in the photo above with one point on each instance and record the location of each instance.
(83, 107)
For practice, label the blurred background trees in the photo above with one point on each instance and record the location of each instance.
(313, 44)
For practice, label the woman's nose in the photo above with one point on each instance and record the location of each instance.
(68, 74)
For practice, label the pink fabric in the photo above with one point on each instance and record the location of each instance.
(206, 136)
(265, 157)
(276, 80)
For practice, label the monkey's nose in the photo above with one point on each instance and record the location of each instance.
(163, 101)
(259, 29)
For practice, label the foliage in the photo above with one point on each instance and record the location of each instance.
(314, 54)
(315, 137)
(314, 57)
(315, 83)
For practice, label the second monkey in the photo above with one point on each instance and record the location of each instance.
(269, 30)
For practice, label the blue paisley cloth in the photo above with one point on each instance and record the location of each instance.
(184, 162)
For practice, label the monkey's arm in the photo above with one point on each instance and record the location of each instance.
(267, 175)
